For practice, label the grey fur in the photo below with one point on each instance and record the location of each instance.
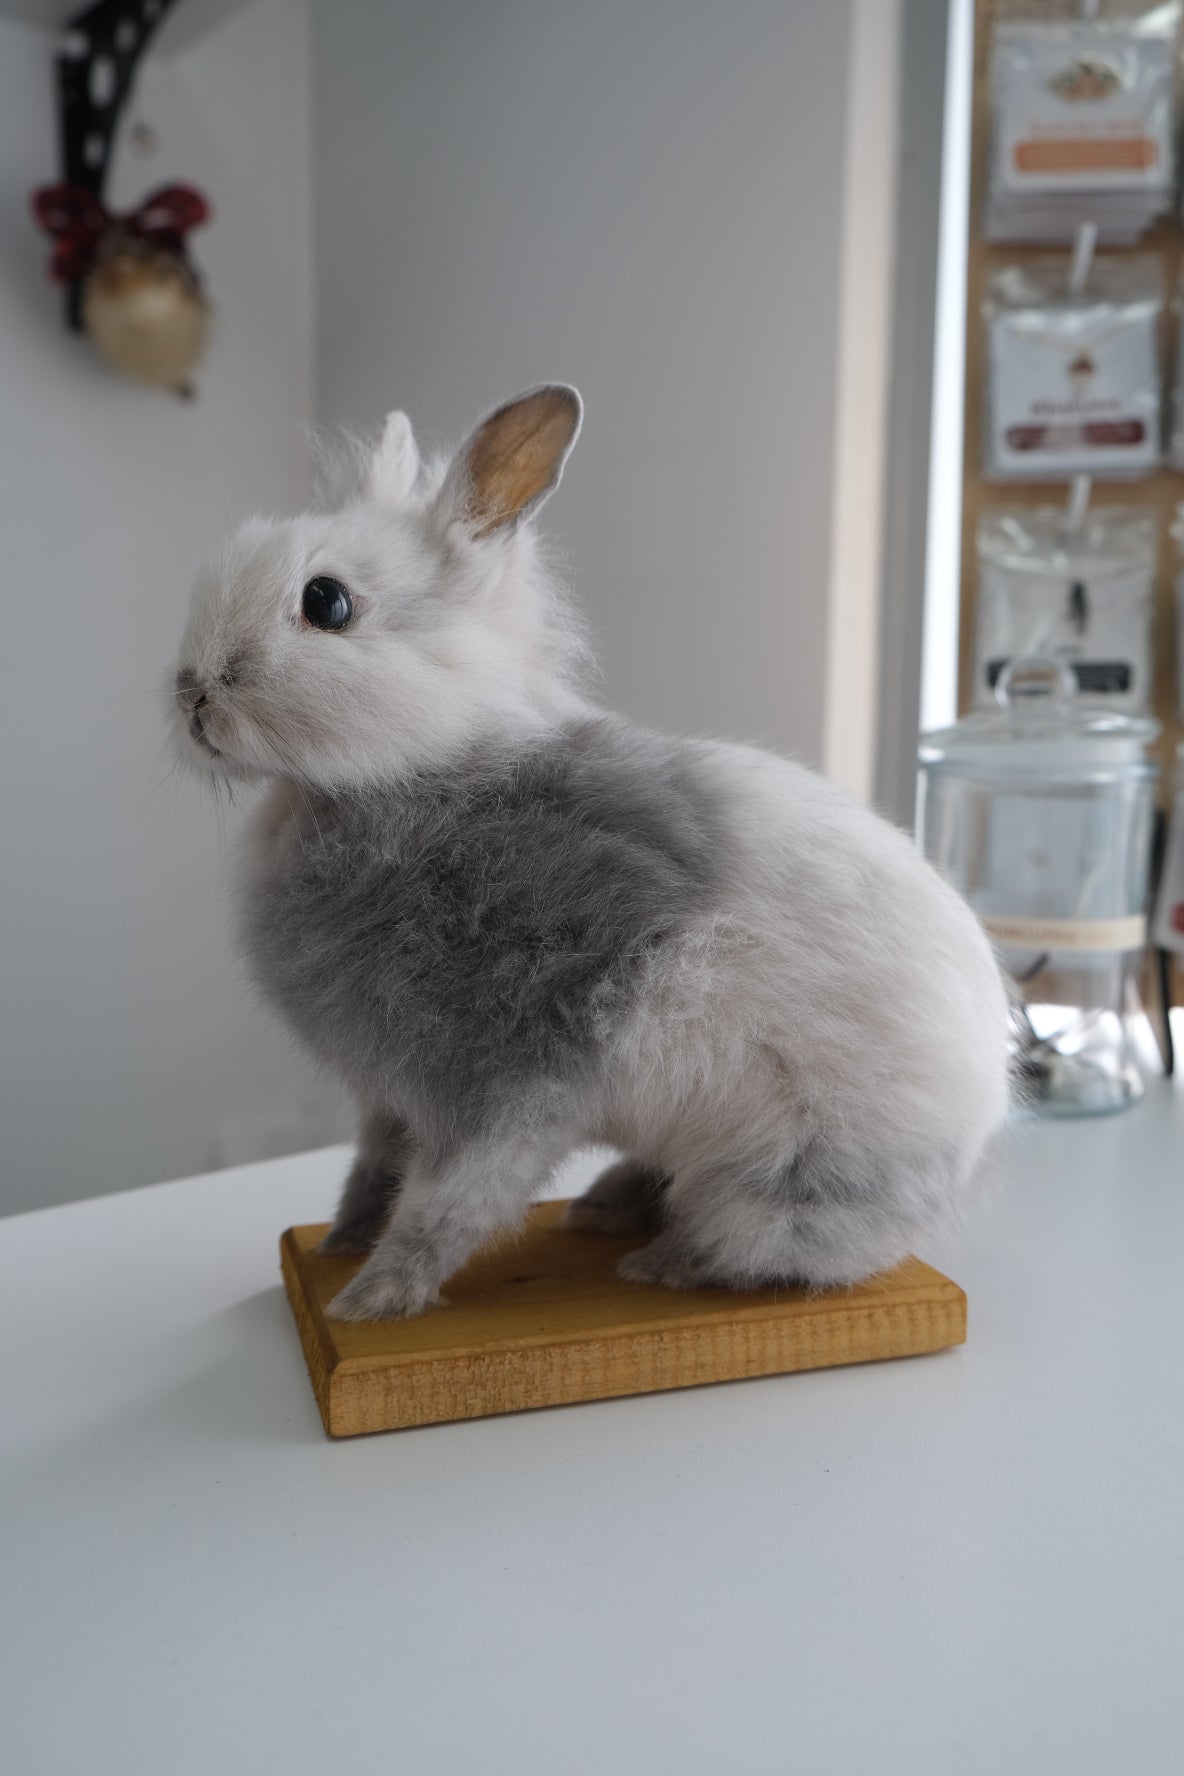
(462, 946)
(385, 1146)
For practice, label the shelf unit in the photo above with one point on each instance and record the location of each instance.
(1160, 493)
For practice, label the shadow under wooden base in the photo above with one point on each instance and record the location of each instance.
(542, 1320)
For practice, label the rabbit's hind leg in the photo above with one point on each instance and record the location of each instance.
(821, 1219)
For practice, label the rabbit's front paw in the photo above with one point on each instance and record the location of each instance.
(383, 1295)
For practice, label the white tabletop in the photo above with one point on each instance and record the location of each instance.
(969, 1562)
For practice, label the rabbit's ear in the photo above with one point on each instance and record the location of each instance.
(513, 460)
(394, 467)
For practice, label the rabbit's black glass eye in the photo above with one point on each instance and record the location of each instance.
(327, 604)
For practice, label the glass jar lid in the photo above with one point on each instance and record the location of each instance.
(1042, 729)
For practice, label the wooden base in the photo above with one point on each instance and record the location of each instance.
(541, 1320)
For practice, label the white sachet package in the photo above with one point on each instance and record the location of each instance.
(1082, 118)
(1084, 597)
(1073, 380)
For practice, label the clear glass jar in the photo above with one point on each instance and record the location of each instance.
(1041, 812)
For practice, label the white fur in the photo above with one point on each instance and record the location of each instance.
(846, 998)
(455, 637)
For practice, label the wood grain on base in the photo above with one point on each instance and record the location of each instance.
(542, 1320)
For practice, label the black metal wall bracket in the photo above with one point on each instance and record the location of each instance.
(96, 66)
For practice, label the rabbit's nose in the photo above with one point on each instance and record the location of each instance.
(189, 688)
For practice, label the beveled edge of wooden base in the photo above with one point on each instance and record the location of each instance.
(319, 1353)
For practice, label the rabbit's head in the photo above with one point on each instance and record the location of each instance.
(347, 647)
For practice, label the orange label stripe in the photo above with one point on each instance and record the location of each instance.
(1129, 155)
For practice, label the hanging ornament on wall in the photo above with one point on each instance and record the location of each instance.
(140, 297)
(130, 282)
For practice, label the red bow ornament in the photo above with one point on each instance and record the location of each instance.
(81, 224)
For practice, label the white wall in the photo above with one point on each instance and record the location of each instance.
(644, 199)
(127, 1038)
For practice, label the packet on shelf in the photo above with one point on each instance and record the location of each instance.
(1073, 378)
(1083, 595)
(1083, 119)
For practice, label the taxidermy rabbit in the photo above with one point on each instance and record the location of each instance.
(515, 924)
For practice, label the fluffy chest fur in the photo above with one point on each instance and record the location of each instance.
(463, 945)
